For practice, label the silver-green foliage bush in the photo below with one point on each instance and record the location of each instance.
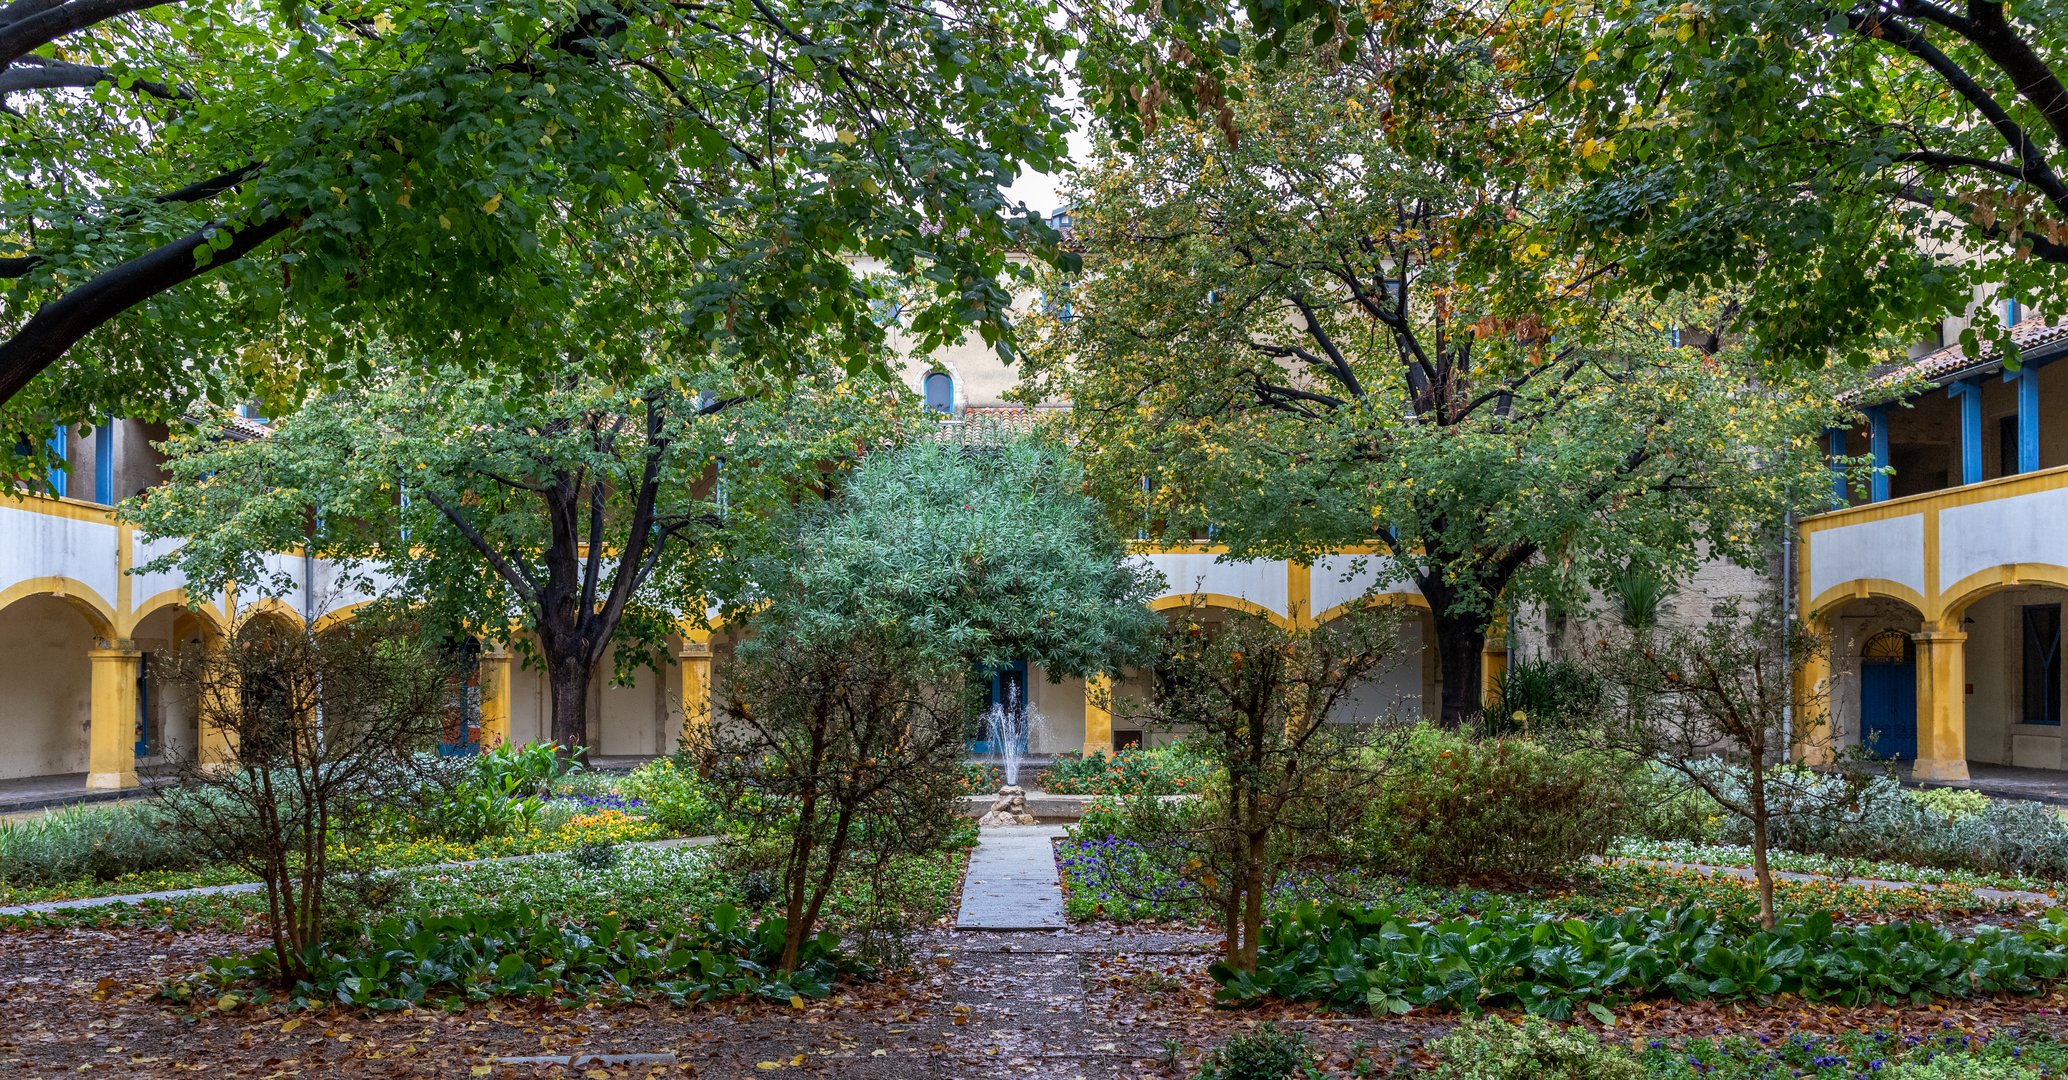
(97, 843)
(1490, 1048)
(1892, 823)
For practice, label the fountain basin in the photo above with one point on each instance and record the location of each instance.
(1045, 807)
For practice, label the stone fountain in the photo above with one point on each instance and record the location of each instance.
(1009, 727)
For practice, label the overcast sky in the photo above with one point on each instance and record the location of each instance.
(1043, 191)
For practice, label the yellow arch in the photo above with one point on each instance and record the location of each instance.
(1954, 601)
(269, 607)
(1220, 600)
(172, 598)
(76, 594)
(1391, 599)
(339, 616)
(1864, 589)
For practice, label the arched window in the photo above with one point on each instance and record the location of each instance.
(940, 392)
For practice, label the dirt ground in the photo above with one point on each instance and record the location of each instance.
(1083, 1003)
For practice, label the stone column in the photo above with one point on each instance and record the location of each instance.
(693, 665)
(496, 668)
(111, 719)
(1941, 702)
(1098, 714)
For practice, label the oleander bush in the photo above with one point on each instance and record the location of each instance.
(1490, 1048)
(1134, 770)
(399, 963)
(96, 843)
(1456, 808)
(1374, 958)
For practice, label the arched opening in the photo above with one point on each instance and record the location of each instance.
(2015, 673)
(166, 728)
(46, 685)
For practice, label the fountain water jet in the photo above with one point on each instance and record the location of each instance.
(1008, 727)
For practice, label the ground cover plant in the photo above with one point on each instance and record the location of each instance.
(454, 959)
(1375, 959)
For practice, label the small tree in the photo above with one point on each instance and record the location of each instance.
(1257, 699)
(850, 747)
(331, 733)
(1727, 692)
(935, 560)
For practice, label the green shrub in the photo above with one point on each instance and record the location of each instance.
(398, 963)
(1541, 695)
(98, 843)
(1453, 808)
(1378, 959)
(1662, 805)
(1165, 770)
(673, 796)
(1953, 804)
(1267, 1053)
(497, 792)
(1490, 1048)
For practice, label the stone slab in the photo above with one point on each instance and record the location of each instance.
(1012, 882)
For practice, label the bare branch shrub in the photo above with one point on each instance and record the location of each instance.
(1257, 699)
(843, 756)
(1718, 703)
(332, 733)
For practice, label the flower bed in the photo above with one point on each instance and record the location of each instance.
(1165, 770)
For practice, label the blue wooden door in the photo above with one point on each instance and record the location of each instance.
(1888, 696)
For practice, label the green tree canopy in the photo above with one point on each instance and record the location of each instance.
(1854, 170)
(1300, 344)
(220, 200)
(980, 555)
(566, 518)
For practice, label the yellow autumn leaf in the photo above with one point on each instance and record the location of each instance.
(847, 138)
(797, 1001)
(494, 201)
(769, 1065)
(483, 1070)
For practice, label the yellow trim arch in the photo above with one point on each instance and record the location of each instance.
(269, 607)
(336, 617)
(1392, 599)
(1954, 601)
(1219, 600)
(76, 594)
(171, 598)
(1866, 589)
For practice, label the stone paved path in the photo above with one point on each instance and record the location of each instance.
(1012, 883)
(253, 886)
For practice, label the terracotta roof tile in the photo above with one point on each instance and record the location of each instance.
(1943, 365)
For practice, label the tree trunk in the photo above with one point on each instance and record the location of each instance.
(1459, 642)
(569, 681)
(1761, 872)
(1252, 902)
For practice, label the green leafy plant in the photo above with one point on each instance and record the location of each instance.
(1540, 695)
(1374, 958)
(673, 795)
(398, 963)
(592, 855)
(1267, 1053)
(1490, 1048)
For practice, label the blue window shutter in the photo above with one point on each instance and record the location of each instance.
(58, 448)
(104, 461)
